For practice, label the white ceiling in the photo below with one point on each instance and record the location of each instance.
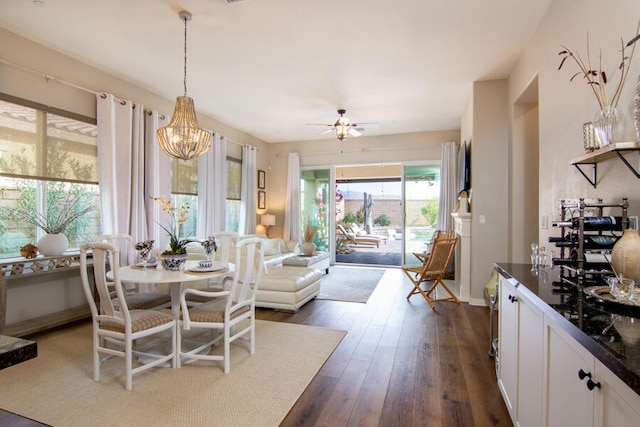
(268, 67)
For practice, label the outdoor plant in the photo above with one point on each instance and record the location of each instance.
(349, 218)
(382, 220)
(430, 211)
(63, 207)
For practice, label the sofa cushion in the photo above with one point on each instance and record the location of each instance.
(272, 246)
(289, 279)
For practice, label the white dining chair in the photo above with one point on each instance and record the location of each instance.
(116, 328)
(137, 298)
(228, 309)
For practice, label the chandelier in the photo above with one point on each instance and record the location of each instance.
(342, 126)
(183, 138)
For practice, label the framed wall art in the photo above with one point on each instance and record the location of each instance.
(262, 200)
(261, 179)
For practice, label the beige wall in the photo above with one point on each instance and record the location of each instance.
(409, 147)
(564, 106)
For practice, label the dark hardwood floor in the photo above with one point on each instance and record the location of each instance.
(400, 364)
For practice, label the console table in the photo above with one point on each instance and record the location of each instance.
(14, 268)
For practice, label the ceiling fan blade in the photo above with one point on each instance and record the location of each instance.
(367, 125)
(318, 124)
(326, 131)
(354, 132)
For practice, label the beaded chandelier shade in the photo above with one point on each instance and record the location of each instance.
(183, 138)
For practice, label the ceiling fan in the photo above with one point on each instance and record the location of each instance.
(343, 127)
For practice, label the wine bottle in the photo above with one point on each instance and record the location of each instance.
(589, 242)
(592, 261)
(593, 223)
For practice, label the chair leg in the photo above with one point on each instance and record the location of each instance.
(178, 346)
(96, 356)
(227, 350)
(128, 356)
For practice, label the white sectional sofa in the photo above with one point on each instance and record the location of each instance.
(284, 288)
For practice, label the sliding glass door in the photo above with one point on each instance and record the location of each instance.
(421, 193)
(315, 198)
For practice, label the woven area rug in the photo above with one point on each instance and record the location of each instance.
(57, 387)
(349, 284)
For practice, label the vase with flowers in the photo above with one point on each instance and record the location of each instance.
(308, 248)
(176, 255)
(608, 122)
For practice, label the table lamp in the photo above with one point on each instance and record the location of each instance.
(267, 220)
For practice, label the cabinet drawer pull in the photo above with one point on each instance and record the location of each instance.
(582, 374)
(512, 298)
(591, 384)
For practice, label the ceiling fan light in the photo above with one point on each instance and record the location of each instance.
(183, 138)
(342, 132)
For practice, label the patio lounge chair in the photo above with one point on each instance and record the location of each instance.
(362, 233)
(351, 238)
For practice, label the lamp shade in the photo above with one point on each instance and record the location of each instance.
(267, 219)
(183, 138)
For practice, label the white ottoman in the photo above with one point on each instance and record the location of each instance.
(288, 288)
(319, 261)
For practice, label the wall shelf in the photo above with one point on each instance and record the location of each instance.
(611, 151)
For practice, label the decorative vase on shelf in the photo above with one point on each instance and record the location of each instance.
(609, 125)
(625, 255)
(173, 262)
(53, 244)
(308, 248)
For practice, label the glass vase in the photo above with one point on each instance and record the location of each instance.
(609, 126)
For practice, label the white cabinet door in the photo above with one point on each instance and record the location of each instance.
(569, 402)
(508, 345)
(530, 363)
(616, 404)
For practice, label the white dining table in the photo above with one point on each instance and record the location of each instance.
(175, 279)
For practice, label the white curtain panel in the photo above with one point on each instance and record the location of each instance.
(448, 185)
(212, 189)
(292, 226)
(121, 166)
(248, 191)
(157, 179)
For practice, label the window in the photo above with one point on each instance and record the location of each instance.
(234, 185)
(46, 155)
(184, 191)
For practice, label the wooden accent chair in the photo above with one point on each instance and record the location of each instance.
(229, 309)
(116, 328)
(433, 271)
(437, 235)
(136, 298)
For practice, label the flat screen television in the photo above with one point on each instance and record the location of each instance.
(464, 169)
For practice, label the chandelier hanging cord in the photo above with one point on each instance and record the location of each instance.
(185, 16)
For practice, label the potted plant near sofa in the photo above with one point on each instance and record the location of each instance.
(308, 248)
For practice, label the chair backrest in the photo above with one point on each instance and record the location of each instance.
(249, 269)
(112, 309)
(441, 256)
(225, 241)
(346, 234)
(124, 244)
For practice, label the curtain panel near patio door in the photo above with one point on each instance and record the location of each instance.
(292, 225)
(448, 176)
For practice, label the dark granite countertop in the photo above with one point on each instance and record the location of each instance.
(16, 350)
(611, 332)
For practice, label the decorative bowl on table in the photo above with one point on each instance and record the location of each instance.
(173, 261)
